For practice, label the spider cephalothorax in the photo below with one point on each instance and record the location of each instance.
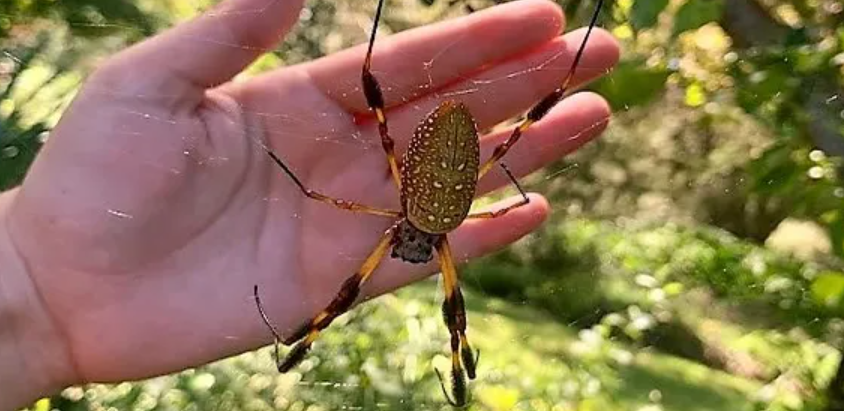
(437, 180)
(413, 245)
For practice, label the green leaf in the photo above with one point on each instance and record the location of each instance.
(632, 83)
(774, 172)
(696, 13)
(644, 13)
(828, 289)
(764, 89)
(17, 151)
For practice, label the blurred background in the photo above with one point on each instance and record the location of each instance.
(693, 260)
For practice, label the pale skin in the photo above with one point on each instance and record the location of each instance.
(133, 245)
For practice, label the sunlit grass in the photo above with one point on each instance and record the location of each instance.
(382, 356)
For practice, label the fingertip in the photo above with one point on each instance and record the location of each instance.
(482, 236)
(535, 213)
(602, 50)
(584, 116)
(597, 107)
(587, 106)
(592, 114)
(543, 207)
(609, 47)
(615, 49)
(526, 13)
(545, 9)
(529, 215)
(574, 122)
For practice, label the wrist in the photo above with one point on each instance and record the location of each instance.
(34, 361)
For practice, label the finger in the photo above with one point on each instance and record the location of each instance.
(574, 122)
(207, 51)
(422, 60)
(480, 237)
(474, 238)
(511, 88)
(527, 80)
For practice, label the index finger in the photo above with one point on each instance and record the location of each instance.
(412, 64)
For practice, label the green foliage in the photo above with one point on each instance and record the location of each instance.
(767, 86)
(84, 17)
(17, 151)
(308, 41)
(828, 290)
(644, 13)
(621, 259)
(696, 13)
(382, 356)
(806, 180)
(31, 95)
(632, 84)
(785, 88)
(643, 284)
(788, 77)
(37, 69)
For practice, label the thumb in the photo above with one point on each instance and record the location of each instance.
(205, 52)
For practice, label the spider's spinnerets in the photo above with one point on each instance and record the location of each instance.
(412, 245)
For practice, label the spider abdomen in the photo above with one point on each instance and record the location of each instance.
(440, 169)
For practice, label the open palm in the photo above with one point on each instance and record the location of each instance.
(153, 209)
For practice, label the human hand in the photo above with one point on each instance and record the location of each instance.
(152, 210)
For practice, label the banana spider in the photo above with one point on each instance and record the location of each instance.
(436, 179)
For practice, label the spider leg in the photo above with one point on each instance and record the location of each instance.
(375, 101)
(345, 298)
(544, 106)
(336, 202)
(266, 319)
(498, 213)
(454, 313)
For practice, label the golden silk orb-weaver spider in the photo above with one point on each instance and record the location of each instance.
(436, 179)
